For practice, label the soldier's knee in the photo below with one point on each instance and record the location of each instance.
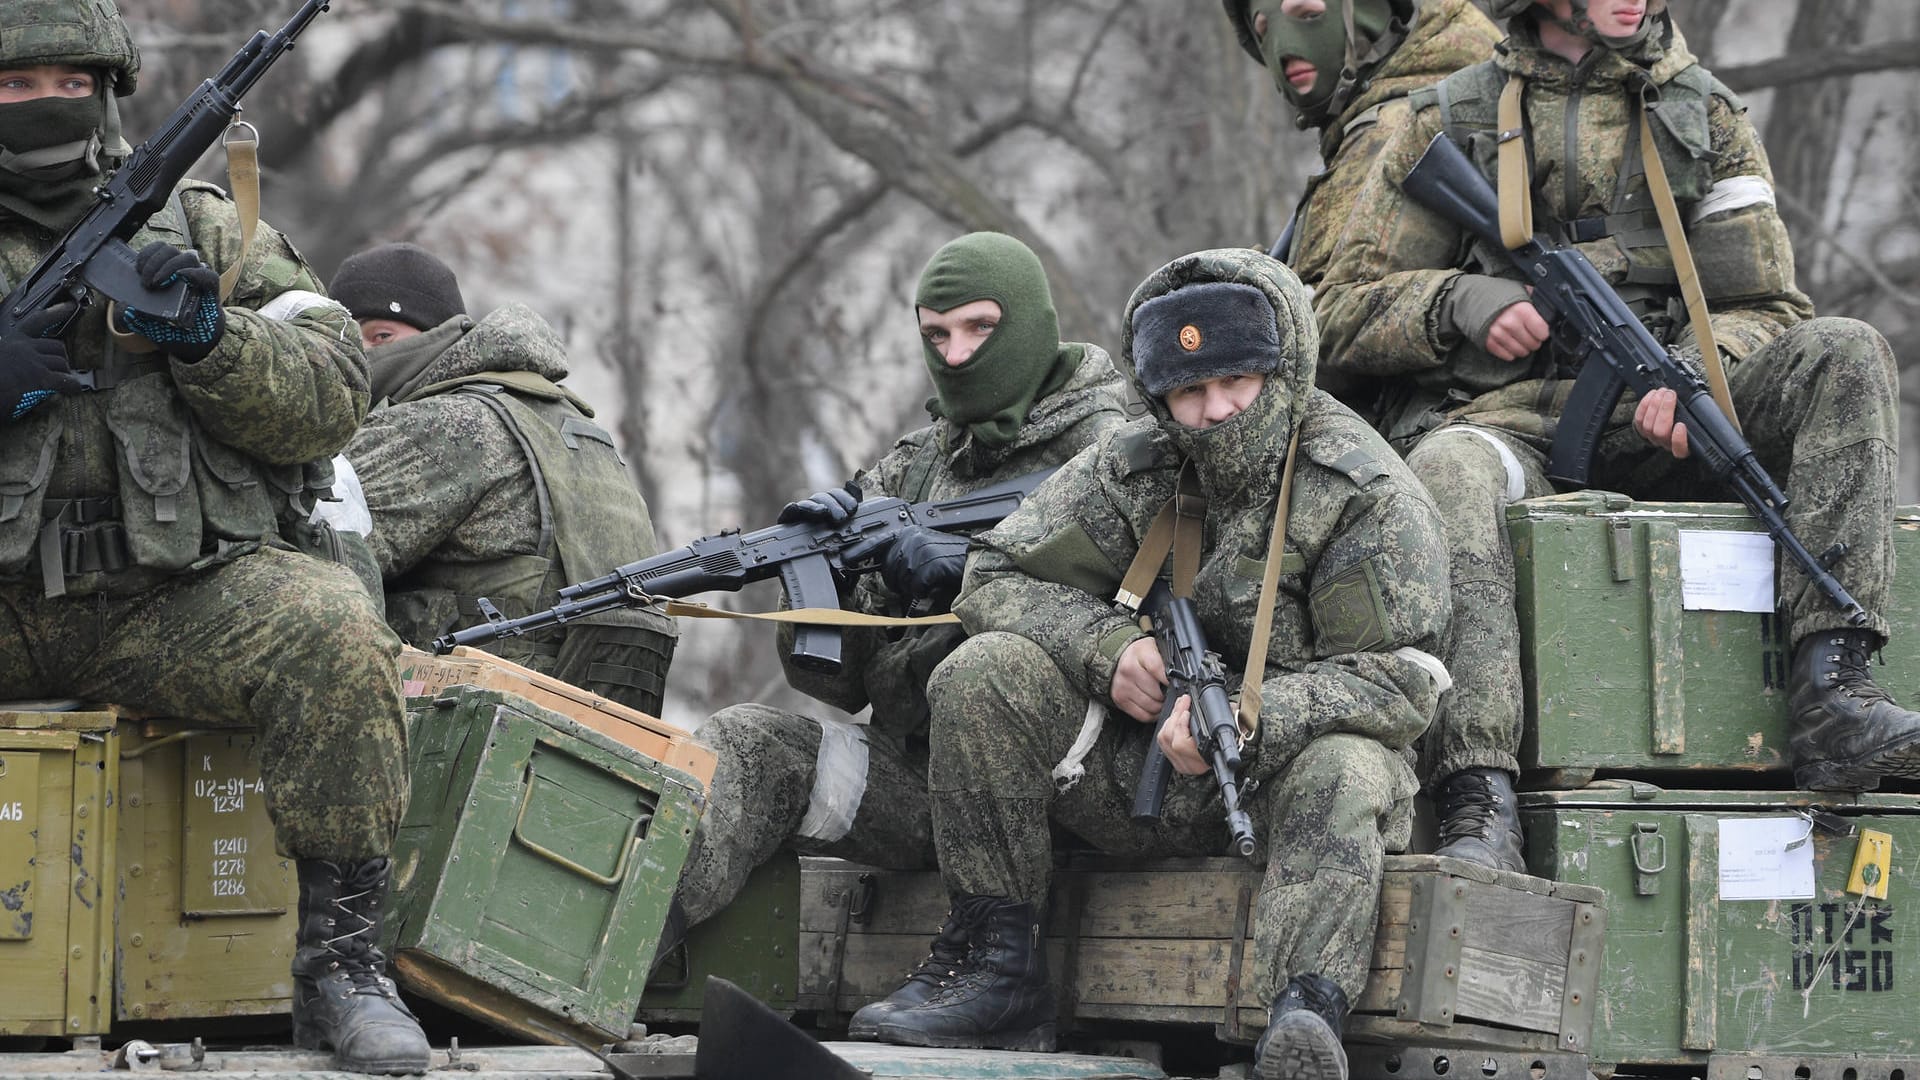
(987, 673)
(1467, 470)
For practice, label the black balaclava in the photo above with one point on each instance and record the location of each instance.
(54, 151)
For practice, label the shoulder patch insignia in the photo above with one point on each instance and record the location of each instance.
(1347, 611)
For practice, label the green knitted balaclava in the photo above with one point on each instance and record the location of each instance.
(1321, 41)
(1021, 362)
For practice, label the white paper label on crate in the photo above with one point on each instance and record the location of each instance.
(1766, 858)
(1726, 571)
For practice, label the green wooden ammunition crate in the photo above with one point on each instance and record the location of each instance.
(1803, 974)
(58, 772)
(534, 866)
(1623, 675)
(208, 907)
(1463, 955)
(751, 943)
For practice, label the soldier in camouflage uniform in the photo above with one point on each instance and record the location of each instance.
(143, 493)
(486, 478)
(1222, 346)
(1010, 398)
(1351, 86)
(1480, 396)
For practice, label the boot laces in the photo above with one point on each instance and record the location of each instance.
(1472, 808)
(357, 959)
(949, 953)
(1851, 656)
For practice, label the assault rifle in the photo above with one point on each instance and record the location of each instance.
(808, 557)
(1591, 323)
(1198, 674)
(94, 253)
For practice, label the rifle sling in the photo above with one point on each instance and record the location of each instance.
(813, 616)
(1269, 585)
(1177, 528)
(1515, 185)
(1690, 291)
(243, 181)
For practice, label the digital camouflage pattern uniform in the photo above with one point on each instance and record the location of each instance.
(862, 793)
(1445, 36)
(485, 477)
(1349, 685)
(186, 474)
(1816, 397)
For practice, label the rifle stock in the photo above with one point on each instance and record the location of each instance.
(1612, 351)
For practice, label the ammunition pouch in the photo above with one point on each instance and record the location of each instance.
(81, 536)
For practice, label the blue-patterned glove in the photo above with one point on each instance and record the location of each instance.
(34, 368)
(159, 265)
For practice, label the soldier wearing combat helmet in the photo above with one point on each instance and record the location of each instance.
(1221, 345)
(1581, 87)
(1346, 67)
(148, 480)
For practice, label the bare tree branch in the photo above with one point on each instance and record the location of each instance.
(1823, 64)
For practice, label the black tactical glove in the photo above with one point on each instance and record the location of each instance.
(159, 265)
(34, 368)
(831, 507)
(925, 565)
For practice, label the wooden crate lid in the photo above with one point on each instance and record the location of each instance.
(425, 675)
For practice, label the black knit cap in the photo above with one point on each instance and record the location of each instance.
(403, 282)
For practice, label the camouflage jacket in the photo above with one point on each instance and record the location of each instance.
(1382, 305)
(1446, 36)
(207, 460)
(888, 669)
(450, 479)
(1362, 602)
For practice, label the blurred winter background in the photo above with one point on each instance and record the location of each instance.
(724, 204)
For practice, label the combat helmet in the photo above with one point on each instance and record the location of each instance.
(84, 33)
(1581, 24)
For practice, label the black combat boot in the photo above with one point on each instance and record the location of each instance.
(342, 999)
(1000, 999)
(944, 961)
(1846, 732)
(1480, 819)
(1302, 1040)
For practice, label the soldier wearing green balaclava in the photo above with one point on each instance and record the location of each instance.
(991, 393)
(1019, 401)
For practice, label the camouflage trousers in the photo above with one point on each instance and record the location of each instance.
(275, 641)
(1819, 404)
(1003, 715)
(819, 787)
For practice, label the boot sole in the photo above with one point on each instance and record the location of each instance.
(1037, 1040)
(1861, 774)
(1302, 1053)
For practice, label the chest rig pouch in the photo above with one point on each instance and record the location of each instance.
(1468, 101)
(181, 498)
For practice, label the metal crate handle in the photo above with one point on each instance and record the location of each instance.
(619, 871)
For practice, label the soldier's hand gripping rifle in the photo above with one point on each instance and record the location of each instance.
(1198, 674)
(94, 253)
(810, 558)
(1613, 351)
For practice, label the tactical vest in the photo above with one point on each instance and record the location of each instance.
(592, 519)
(1468, 101)
(182, 499)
